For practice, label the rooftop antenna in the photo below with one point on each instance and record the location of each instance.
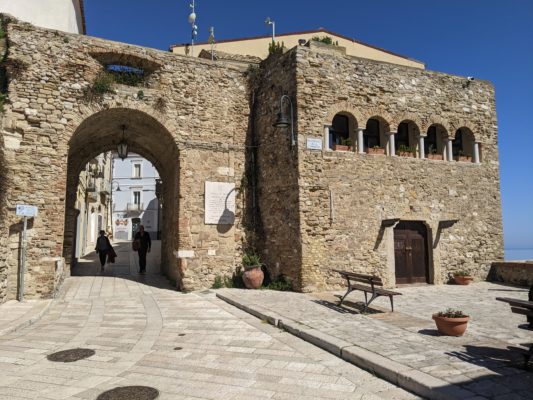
(194, 30)
(211, 41)
(268, 21)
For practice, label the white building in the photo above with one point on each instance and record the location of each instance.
(63, 15)
(134, 197)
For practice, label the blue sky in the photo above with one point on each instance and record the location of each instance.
(488, 39)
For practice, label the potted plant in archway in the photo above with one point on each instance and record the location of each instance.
(375, 150)
(406, 151)
(463, 157)
(432, 154)
(346, 145)
(253, 274)
(462, 278)
(451, 322)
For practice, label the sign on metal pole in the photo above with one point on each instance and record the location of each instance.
(25, 212)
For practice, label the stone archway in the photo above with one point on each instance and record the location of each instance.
(146, 136)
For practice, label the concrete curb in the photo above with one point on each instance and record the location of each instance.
(413, 380)
(31, 317)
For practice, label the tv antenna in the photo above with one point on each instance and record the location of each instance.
(194, 30)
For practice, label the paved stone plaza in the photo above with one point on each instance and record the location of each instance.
(404, 346)
(188, 346)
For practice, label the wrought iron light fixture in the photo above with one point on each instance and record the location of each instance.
(122, 148)
(283, 121)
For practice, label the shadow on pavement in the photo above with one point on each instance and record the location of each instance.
(126, 266)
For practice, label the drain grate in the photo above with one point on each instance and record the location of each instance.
(178, 348)
(71, 355)
(130, 393)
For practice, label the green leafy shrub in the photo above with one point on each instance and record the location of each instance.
(251, 260)
(281, 285)
(461, 273)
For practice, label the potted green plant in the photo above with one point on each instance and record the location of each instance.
(346, 145)
(406, 151)
(451, 322)
(376, 150)
(463, 157)
(253, 274)
(432, 153)
(462, 278)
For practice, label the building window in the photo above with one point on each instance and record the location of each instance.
(136, 170)
(137, 198)
(371, 136)
(340, 130)
(402, 136)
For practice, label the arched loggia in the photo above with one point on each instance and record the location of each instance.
(101, 132)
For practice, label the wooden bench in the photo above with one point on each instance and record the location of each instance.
(522, 307)
(366, 284)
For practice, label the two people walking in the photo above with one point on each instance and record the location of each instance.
(142, 243)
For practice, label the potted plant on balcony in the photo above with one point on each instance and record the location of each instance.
(432, 153)
(346, 145)
(463, 157)
(253, 275)
(462, 278)
(451, 322)
(406, 151)
(376, 150)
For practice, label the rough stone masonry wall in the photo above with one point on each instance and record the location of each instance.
(279, 231)
(205, 112)
(366, 189)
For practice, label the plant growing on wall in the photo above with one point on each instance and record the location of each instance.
(102, 84)
(325, 40)
(276, 48)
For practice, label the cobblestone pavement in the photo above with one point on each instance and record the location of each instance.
(486, 361)
(188, 346)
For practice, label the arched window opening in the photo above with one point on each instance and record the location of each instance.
(340, 131)
(463, 145)
(371, 137)
(434, 145)
(406, 139)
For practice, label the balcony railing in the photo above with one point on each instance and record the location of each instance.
(105, 187)
(135, 206)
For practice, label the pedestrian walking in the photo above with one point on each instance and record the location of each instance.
(142, 244)
(103, 248)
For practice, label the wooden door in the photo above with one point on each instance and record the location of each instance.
(410, 252)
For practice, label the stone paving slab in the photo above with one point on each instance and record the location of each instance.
(15, 315)
(187, 346)
(404, 347)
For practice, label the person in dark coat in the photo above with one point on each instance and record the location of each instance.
(144, 247)
(103, 247)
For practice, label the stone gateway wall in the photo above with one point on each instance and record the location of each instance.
(305, 210)
(191, 122)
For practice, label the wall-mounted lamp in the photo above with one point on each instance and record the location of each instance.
(283, 121)
(122, 148)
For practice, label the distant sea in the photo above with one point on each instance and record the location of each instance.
(518, 254)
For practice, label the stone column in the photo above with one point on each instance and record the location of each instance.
(326, 137)
(392, 144)
(421, 150)
(449, 149)
(476, 153)
(360, 140)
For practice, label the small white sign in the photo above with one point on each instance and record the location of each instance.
(26, 211)
(314, 143)
(219, 203)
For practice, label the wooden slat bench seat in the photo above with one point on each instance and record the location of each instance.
(367, 284)
(522, 307)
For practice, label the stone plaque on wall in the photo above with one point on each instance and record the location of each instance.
(219, 203)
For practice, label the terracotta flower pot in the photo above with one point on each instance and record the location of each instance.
(435, 157)
(463, 280)
(253, 277)
(375, 151)
(451, 326)
(406, 154)
(342, 147)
